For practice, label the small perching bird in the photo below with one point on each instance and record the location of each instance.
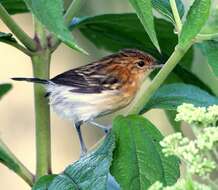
(97, 89)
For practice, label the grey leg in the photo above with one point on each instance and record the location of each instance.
(105, 129)
(83, 149)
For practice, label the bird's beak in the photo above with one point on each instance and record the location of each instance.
(157, 64)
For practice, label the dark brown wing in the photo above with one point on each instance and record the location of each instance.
(91, 78)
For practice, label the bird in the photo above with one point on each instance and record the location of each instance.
(102, 87)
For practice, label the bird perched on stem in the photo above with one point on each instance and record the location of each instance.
(97, 89)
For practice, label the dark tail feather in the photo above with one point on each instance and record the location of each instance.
(35, 80)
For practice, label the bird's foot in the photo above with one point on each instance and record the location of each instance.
(106, 129)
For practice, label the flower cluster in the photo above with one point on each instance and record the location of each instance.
(197, 116)
(192, 152)
(197, 154)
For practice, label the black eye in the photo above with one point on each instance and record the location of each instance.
(140, 63)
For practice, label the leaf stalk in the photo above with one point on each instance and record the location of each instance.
(18, 167)
(176, 16)
(16, 30)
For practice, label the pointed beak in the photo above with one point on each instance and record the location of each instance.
(157, 64)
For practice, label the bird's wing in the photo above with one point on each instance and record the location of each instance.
(91, 78)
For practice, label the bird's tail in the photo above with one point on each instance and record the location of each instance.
(35, 80)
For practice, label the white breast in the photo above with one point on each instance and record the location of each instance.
(79, 106)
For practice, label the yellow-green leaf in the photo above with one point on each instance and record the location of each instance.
(143, 9)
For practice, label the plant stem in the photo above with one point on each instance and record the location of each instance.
(14, 164)
(41, 65)
(176, 15)
(16, 30)
(41, 69)
(159, 79)
(70, 13)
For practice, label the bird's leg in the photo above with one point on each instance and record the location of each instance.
(105, 129)
(83, 149)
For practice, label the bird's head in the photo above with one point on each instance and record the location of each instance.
(135, 62)
(138, 61)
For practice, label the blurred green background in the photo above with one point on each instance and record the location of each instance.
(17, 111)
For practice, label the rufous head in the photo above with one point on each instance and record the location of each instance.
(135, 62)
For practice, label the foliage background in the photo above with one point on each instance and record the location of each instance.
(16, 110)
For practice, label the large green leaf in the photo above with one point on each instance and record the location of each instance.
(195, 20)
(14, 6)
(144, 11)
(4, 88)
(90, 172)
(116, 31)
(138, 160)
(43, 182)
(210, 51)
(50, 14)
(164, 8)
(187, 77)
(171, 96)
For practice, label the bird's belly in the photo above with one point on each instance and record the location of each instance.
(74, 111)
(83, 107)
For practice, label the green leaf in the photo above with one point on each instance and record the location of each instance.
(14, 6)
(195, 20)
(210, 51)
(50, 14)
(143, 9)
(115, 31)
(188, 77)
(171, 96)
(4, 88)
(138, 160)
(164, 8)
(6, 37)
(43, 182)
(211, 27)
(90, 172)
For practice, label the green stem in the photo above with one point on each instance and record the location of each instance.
(41, 64)
(41, 69)
(176, 15)
(14, 164)
(16, 30)
(72, 10)
(159, 79)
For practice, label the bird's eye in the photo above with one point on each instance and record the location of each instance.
(140, 63)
